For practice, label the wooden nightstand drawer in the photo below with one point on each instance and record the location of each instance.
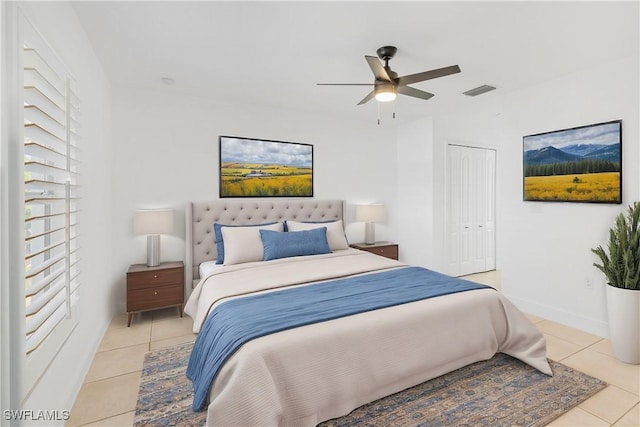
(390, 251)
(154, 278)
(151, 298)
(385, 249)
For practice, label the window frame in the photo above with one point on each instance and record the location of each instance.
(38, 358)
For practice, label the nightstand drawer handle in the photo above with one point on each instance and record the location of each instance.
(155, 293)
(155, 276)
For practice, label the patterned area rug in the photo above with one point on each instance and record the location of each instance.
(501, 391)
(166, 394)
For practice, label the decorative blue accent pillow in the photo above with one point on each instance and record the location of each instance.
(294, 243)
(217, 229)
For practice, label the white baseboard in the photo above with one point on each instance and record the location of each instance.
(86, 361)
(586, 324)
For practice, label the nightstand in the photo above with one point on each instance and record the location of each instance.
(386, 249)
(150, 288)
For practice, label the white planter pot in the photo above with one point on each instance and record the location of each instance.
(623, 309)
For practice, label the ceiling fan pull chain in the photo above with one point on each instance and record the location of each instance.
(378, 114)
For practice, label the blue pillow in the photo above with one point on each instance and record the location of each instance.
(294, 243)
(217, 229)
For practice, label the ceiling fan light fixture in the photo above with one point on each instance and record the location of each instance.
(385, 93)
(387, 84)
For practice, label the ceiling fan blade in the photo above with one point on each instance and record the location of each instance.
(428, 75)
(344, 84)
(377, 68)
(367, 98)
(416, 93)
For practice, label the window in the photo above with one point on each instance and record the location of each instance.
(51, 203)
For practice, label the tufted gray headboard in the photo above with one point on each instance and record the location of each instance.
(200, 216)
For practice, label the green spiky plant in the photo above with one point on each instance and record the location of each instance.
(621, 262)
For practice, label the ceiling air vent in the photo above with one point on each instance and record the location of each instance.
(479, 90)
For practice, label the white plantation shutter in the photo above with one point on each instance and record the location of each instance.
(51, 201)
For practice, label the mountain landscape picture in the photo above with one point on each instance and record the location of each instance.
(582, 164)
(261, 168)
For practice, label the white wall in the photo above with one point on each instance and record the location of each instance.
(547, 259)
(166, 154)
(416, 185)
(58, 387)
(542, 248)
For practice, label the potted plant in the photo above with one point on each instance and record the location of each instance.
(620, 263)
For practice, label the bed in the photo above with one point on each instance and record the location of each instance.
(311, 372)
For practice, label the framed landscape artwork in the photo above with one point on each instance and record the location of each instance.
(262, 168)
(581, 164)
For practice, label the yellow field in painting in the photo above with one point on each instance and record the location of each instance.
(599, 187)
(277, 181)
(271, 186)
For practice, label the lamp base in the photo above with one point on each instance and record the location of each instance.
(153, 250)
(369, 233)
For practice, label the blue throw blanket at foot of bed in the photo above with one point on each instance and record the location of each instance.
(235, 322)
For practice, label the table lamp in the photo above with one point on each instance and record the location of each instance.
(370, 214)
(153, 223)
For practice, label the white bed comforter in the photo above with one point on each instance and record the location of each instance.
(317, 372)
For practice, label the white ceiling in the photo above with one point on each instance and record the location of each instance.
(274, 53)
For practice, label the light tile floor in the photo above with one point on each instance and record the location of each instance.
(108, 396)
(110, 391)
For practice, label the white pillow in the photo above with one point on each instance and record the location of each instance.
(243, 244)
(335, 232)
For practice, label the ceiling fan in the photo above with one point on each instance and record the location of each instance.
(387, 83)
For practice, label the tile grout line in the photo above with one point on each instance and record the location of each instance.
(626, 413)
(584, 347)
(598, 417)
(572, 354)
(104, 419)
(113, 376)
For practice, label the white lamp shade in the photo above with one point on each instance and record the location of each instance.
(156, 221)
(371, 213)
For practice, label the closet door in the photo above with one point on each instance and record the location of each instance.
(470, 210)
